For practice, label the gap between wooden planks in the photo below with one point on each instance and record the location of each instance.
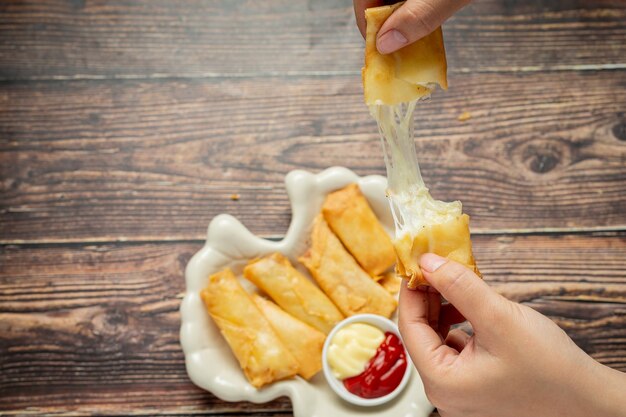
(194, 39)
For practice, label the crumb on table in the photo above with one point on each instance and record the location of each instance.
(464, 116)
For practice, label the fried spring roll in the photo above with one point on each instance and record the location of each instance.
(391, 282)
(292, 291)
(341, 277)
(303, 341)
(450, 239)
(406, 74)
(261, 354)
(350, 217)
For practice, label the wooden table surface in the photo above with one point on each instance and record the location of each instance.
(126, 126)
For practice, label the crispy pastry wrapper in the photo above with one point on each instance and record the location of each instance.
(391, 281)
(303, 341)
(407, 74)
(341, 277)
(398, 80)
(351, 218)
(293, 292)
(450, 240)
(261, 354)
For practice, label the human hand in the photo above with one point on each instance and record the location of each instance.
(412, 21)
(517, 362)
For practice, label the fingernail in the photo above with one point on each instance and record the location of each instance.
(431, 262)
(390, 41)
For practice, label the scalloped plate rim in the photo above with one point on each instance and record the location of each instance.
(229, 243)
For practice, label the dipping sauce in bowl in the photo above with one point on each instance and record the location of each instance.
(364, 360)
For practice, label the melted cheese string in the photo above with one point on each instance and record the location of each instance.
(412, 206)
(395, 125)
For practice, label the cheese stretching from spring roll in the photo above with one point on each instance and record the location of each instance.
(393, 84)
(422, 223)
(261, 354)
(351, 218)
(341, 277)
(292, 291)
(303, 341)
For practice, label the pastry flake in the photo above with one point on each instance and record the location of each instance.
(391, 282)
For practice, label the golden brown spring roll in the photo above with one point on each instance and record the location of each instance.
(292, 291)
(450, 239)
(392, 84)
(350, 217)
(407, 74)
(261, 354)
(303, 341)
(341, 277)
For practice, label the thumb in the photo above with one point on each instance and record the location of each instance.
(471, 296)
(414, 20)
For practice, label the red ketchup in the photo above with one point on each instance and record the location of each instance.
(383, 373)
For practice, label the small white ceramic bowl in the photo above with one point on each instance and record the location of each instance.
(337, 386)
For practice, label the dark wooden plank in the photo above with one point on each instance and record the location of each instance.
(151, 160)
(579, 282)
(156, 38)
(99, 325)
(94, 329)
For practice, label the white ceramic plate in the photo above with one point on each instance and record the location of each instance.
(210, 362)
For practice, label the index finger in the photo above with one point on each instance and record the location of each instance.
(421, 341)
(359, 12)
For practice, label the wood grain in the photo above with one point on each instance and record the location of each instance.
(106, 161)
(158, 38)
(93, 329)
(137, 121)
